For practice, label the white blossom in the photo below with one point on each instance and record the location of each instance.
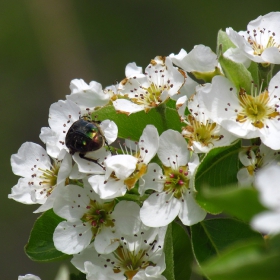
(259, 43)
(41, 178)
(174, 191)
(86, 216)
(139, 91)
(246, 116)
(124, 170)
(137, 252)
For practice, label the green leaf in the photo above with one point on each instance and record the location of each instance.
(217, 169)
(249, 260)
(178, 253)
(211, 237)
(132, 126)
(237, 73)
(40, 245)
(243, 203)
(224, 41)
(169, 254)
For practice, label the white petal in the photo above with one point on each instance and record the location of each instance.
(50, 200)
(72, 238)
(179, 58)
(190, 213)
(62, 115)
(159, 209)
(267, 182)
(86, 166)
(50, 138)
(148, 143)
(126, 214)
(201, 58)
(94, 272)
(64, 169)
(181, 105)
(87, 96)
(152, 180)
(71, 203)
(237, 55)
(29, 277)
(244, 178)
(271, 55)
(29, 158)
(247, 157)
(132, 69)
(21, 192)
(122, 165)
(110, 131)
(107, 189)
(106, 242)
(173, 149)
(267, 222)
(127, 107)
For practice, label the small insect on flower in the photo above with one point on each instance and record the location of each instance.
(85, 136)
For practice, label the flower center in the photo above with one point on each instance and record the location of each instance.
(255, 109)
(256, 41)
(131, 261)
(200, 132)
(258, 162)
(139, 171)
(98, 215)
(149, 96)
(129, 258)
(177, 181)
(49, 178)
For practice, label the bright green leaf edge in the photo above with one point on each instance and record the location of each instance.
(217, 169)
(40, 246)
(248, 260)
(178, 253)
(211, 237)
(242, 202)
(132, 126)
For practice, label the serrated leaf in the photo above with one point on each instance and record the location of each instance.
(242, 203)
(217, 170)
(40, 245)
(178, 253)
(132, 126)
(211, 237)
(249, 260)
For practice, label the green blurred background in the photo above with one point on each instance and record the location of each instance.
(46, 44)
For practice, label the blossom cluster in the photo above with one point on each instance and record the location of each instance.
(117, 197)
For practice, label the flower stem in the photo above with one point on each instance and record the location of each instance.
(265, 74)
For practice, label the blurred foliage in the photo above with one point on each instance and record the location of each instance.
(46, 44)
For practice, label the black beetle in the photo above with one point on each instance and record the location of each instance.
(85, 136)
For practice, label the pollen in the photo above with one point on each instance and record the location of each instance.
(150, 96)
(177, 181)
(255, 109)
(203, 132)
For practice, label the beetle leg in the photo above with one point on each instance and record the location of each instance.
(90, 159)
(109, 148)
